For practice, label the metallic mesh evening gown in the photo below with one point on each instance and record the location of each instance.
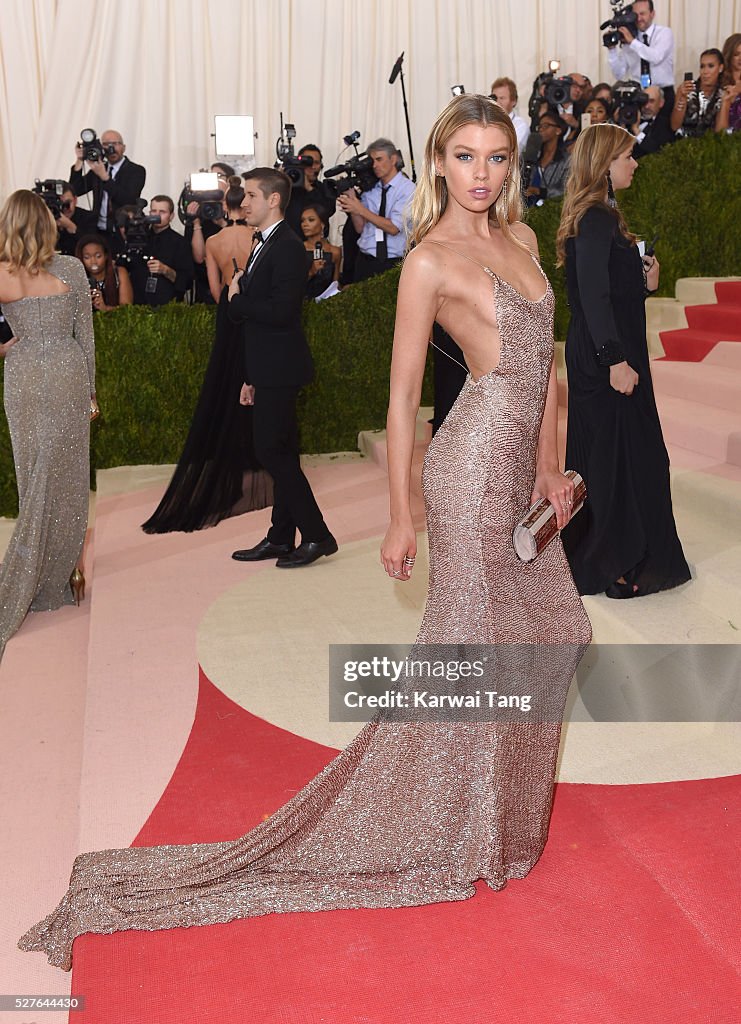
(49, 375)
(407, 814)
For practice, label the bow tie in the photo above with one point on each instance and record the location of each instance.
(257, 236)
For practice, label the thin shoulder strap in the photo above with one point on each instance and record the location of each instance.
(487, 270)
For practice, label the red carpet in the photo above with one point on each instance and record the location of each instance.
(631, 915)
(707, 325)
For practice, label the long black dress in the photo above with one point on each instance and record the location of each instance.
(217, 474)
(627, 526)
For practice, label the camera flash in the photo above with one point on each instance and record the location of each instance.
(457, 90)
(554, 65)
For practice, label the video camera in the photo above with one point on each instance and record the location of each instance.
(92, 148)
(622, 17)
(286, 159)
(137, 227)
(50, 190)
(628, 98)
(358, 170)
(202, 188)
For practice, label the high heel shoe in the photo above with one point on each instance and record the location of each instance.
(77, 583)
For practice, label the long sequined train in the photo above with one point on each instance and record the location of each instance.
(407, 814)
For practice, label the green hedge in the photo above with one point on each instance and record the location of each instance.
(689, 195)
(151, 362)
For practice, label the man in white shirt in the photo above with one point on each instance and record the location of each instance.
(647, 58)
(504, 92)
(380, 215)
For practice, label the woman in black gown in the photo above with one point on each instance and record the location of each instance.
(624, 543)
(217, 474)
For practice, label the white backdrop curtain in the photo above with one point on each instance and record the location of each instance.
(158, 70)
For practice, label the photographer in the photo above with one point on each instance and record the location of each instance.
(72, 223)
(651, 131)
(312, 192)
(379, 214)
(650, 53)
(114, 181)
(165, 272)
(698, 103)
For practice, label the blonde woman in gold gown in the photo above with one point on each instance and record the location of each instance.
(49, 395)
(416, 812)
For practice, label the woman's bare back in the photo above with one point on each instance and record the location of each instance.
(232, 242)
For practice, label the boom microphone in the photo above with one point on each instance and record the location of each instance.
(397, 69)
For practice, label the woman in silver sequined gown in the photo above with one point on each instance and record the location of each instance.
(414, 813)
(49, 383)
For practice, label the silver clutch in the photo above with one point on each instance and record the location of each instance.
(537, 528)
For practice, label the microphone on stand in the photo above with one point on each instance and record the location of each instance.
(396, 69)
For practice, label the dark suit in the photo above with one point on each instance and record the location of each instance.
(657, 133)
(125, 188)
(278, 363)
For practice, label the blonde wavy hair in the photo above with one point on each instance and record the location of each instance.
(593, 152)
(431, 195)
(28, 233)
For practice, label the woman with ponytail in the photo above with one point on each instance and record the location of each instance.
(624, 543)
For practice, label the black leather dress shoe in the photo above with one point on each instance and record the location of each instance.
(265, 549)
(307, 553)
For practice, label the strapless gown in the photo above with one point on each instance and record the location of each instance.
(408, 813)
(49, 376)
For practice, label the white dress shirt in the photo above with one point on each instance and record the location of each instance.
(113, 170)
(523, 130)
(398, 197)
(625, 60)
(266, 233)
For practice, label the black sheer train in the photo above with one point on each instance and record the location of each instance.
(217, 474)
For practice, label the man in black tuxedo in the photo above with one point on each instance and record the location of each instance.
(652, 129)
(267, 297)
(115, 181)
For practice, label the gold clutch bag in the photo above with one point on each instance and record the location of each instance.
(537, 528)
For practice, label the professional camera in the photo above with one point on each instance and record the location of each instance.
(358, 170)
(202, 188)
(286, 159)
(548, 89)
(622, 17)
(628, 98)
(558, 91)
(92, 148)
(50, 190)
(137, 227)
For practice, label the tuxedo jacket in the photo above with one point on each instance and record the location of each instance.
(125, 188)
(269, 305)
(658, 133)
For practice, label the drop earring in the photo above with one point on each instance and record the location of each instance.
(611, 200)
(504, 191)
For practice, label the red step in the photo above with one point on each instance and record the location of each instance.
(723, 318)
(728, 291)
(690, 344)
